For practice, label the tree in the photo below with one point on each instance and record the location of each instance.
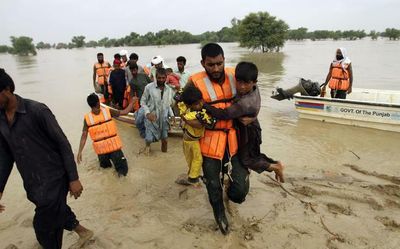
(78, 41)
(22, 45)
(61, 45)
(374, 35)
(392, 33)
(297, 34)
(42, 45)
(262, 31)
(4, 49)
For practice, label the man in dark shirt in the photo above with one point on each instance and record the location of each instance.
(31, 137)
(118, 83)
(138, 81)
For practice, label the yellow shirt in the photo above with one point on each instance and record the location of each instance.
(195, 133)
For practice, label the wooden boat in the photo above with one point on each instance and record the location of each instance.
(175, 122)
(372, 108)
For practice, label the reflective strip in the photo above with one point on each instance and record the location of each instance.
(105, 114)
(210, 89)
(91, 119)
(233, 86)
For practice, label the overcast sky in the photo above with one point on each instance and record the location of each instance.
(59, 20)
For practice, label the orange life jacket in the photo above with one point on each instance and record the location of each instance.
(340, 77)
(213, 143)
(102, 72)
(127, 96)
(103, 131)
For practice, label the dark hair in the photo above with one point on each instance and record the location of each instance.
(211, 50)
(100, 54)
(92, 100)
(161, 71)
(133, 56)
(169, 70)
(6, 81)
(191, 95)
(117, 56)
(246, 71)
(132, 65)
(181, 59)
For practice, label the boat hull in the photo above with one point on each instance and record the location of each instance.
(382, 116)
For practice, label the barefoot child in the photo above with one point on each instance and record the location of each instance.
(247, 103)
(191, 108)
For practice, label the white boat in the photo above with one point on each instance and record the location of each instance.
(372, 108)
(175, 122)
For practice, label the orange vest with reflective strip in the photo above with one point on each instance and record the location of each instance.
(103, 131)
(102, 72)
(213, 143)
(339, 77)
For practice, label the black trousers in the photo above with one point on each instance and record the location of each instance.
(338, 94)
(53, 215)
(238, 188)
(118, 159)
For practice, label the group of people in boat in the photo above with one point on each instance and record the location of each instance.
(221, 132)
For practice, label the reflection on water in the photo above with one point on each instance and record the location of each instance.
(26, 62)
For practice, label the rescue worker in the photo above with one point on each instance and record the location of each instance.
(219, 146)
(101, 70)
(103, 131)
(340, 76)
(31, 137)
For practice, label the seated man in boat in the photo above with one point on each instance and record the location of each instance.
(340, 76)
(103, 131)
(137, 83)
(153, 115)
(181, 71)
(247, 103)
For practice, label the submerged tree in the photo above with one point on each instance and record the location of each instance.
(22, 45)
(262, 31)
(392, 34)
(78, 41)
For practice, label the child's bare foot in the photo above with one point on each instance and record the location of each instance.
(84, 236)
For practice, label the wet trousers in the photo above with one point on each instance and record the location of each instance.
(53, 215)
(238, 188)
(194, 159)
(118, 159)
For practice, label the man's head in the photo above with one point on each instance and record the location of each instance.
(157, 61)
(213, 61)
(161, 76)
(94, 102)
(134, 57)
(116, 64)
(246, 74)
(100, 57)
(133, 67)
(124, 55)
(117, 57)
(180, 63)
(193, 98)
(7, 88)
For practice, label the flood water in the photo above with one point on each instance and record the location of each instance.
(63, 78)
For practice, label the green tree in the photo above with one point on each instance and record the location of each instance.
(91, 44)
(392, 34)
(78, 41)
(297, 34)
(374, 35)
(22, 45)
(4, 48)
(42, 45)
(262, 31)
(61, 45)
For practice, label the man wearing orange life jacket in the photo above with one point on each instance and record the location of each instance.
(340, 76)
(103, 131)
(219, 146)
(101, 70)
